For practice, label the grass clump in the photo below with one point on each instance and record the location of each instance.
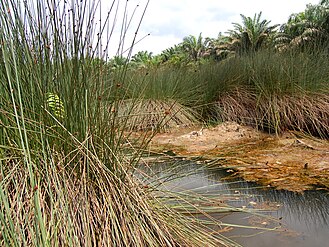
(66, 168)
(160, 98)
(275, 91)
(156, 115)
(266, 89)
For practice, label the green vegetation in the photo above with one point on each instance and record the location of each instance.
(67, 150)
(276, 92)
(273, 78)
(305, 30)
(67, 161)
(252, 35)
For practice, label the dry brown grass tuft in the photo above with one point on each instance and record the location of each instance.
(308, 112)
(89, 206)
(151, 114)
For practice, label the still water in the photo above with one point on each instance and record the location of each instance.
(304, 218)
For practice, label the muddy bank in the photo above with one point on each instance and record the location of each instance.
(291, 161)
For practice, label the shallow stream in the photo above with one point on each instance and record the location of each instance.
(304, 218)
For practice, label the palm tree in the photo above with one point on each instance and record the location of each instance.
(251, 35)
(172, 53)
(193, 46)
(142, 58)
(324, 3)
(118, 62)
(218, 48)
(305, 29)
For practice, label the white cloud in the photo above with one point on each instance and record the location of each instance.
(151, 43)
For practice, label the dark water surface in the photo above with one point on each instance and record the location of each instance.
(304, 217)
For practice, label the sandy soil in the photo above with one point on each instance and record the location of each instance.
(291, 161)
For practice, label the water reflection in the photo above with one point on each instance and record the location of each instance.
(305, 216)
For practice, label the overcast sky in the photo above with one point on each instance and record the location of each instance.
(169, 21)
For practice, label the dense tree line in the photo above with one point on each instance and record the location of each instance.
(307, 30)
